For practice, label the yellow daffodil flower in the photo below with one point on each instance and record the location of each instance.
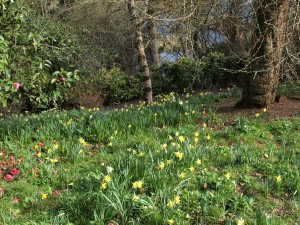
(137, 184)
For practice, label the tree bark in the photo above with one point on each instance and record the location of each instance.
(138, 21)
(270, 35)
(154, 43)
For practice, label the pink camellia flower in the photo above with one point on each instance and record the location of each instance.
(12, 158)
(9, 177)
(17, 85)
(63, 79)
(41, 144)
(1, 192)
(16, 201)
(14, 171)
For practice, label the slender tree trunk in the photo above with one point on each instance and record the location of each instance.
(138, 21)
(261, 86)
(154, 43)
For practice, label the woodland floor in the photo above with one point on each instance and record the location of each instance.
(286, 107)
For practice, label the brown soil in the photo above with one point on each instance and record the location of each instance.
(286, 107)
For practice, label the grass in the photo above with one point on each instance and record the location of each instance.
(169, 163)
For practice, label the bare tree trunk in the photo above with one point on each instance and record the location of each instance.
(261, 86)
(138, 21)
(154, 43)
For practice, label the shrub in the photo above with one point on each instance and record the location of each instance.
(222, 70)
(30, 54)
(215, 69)
(116, 86)
(185, 73)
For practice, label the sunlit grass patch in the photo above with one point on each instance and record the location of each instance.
(168, 163)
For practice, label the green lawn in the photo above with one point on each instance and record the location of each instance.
(169, 163)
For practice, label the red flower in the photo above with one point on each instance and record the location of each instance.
(17, 85)
(14, 171)
(9, 177)
(62, 79)
(41, 144)
(57, 80)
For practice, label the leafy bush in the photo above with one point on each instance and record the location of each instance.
(219, 67)
(185, 73)
(212, 70)
(116, 86)
(32, 49)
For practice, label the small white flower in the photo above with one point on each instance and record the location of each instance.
(109, 169)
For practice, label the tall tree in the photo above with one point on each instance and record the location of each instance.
(139, 21)
(269, 41)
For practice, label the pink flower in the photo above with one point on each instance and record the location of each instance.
(16, 201)
(56, 193)
(63, 79)
(12, 158)
(14, 171)
(41, 144)
(17, 85)
(1, 192)
(9, 177)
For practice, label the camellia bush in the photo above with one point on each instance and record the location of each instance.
(34, 61)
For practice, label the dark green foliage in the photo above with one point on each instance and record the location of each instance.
(32, 49)
(116, 86)
(213, 70)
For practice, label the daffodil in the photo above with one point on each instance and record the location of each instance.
(179, 155)
(196, 134)
(135, 198)
(240, 221)
(208, 137)
(104, 186)
(109, 169)
(196, 140)
(177, 200)
(137, 184)
(257, 115)
(164, 146)
(182, 175)
(278, 179)
(198, 162)
(192, 169)
(265, 110)
(227, 176)
(169, 161)
(107, 179)
(181, 139)
(204, 124)
(161, 165)
(44, 196)
(82, 141)
(171, 203)
(170, 222)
